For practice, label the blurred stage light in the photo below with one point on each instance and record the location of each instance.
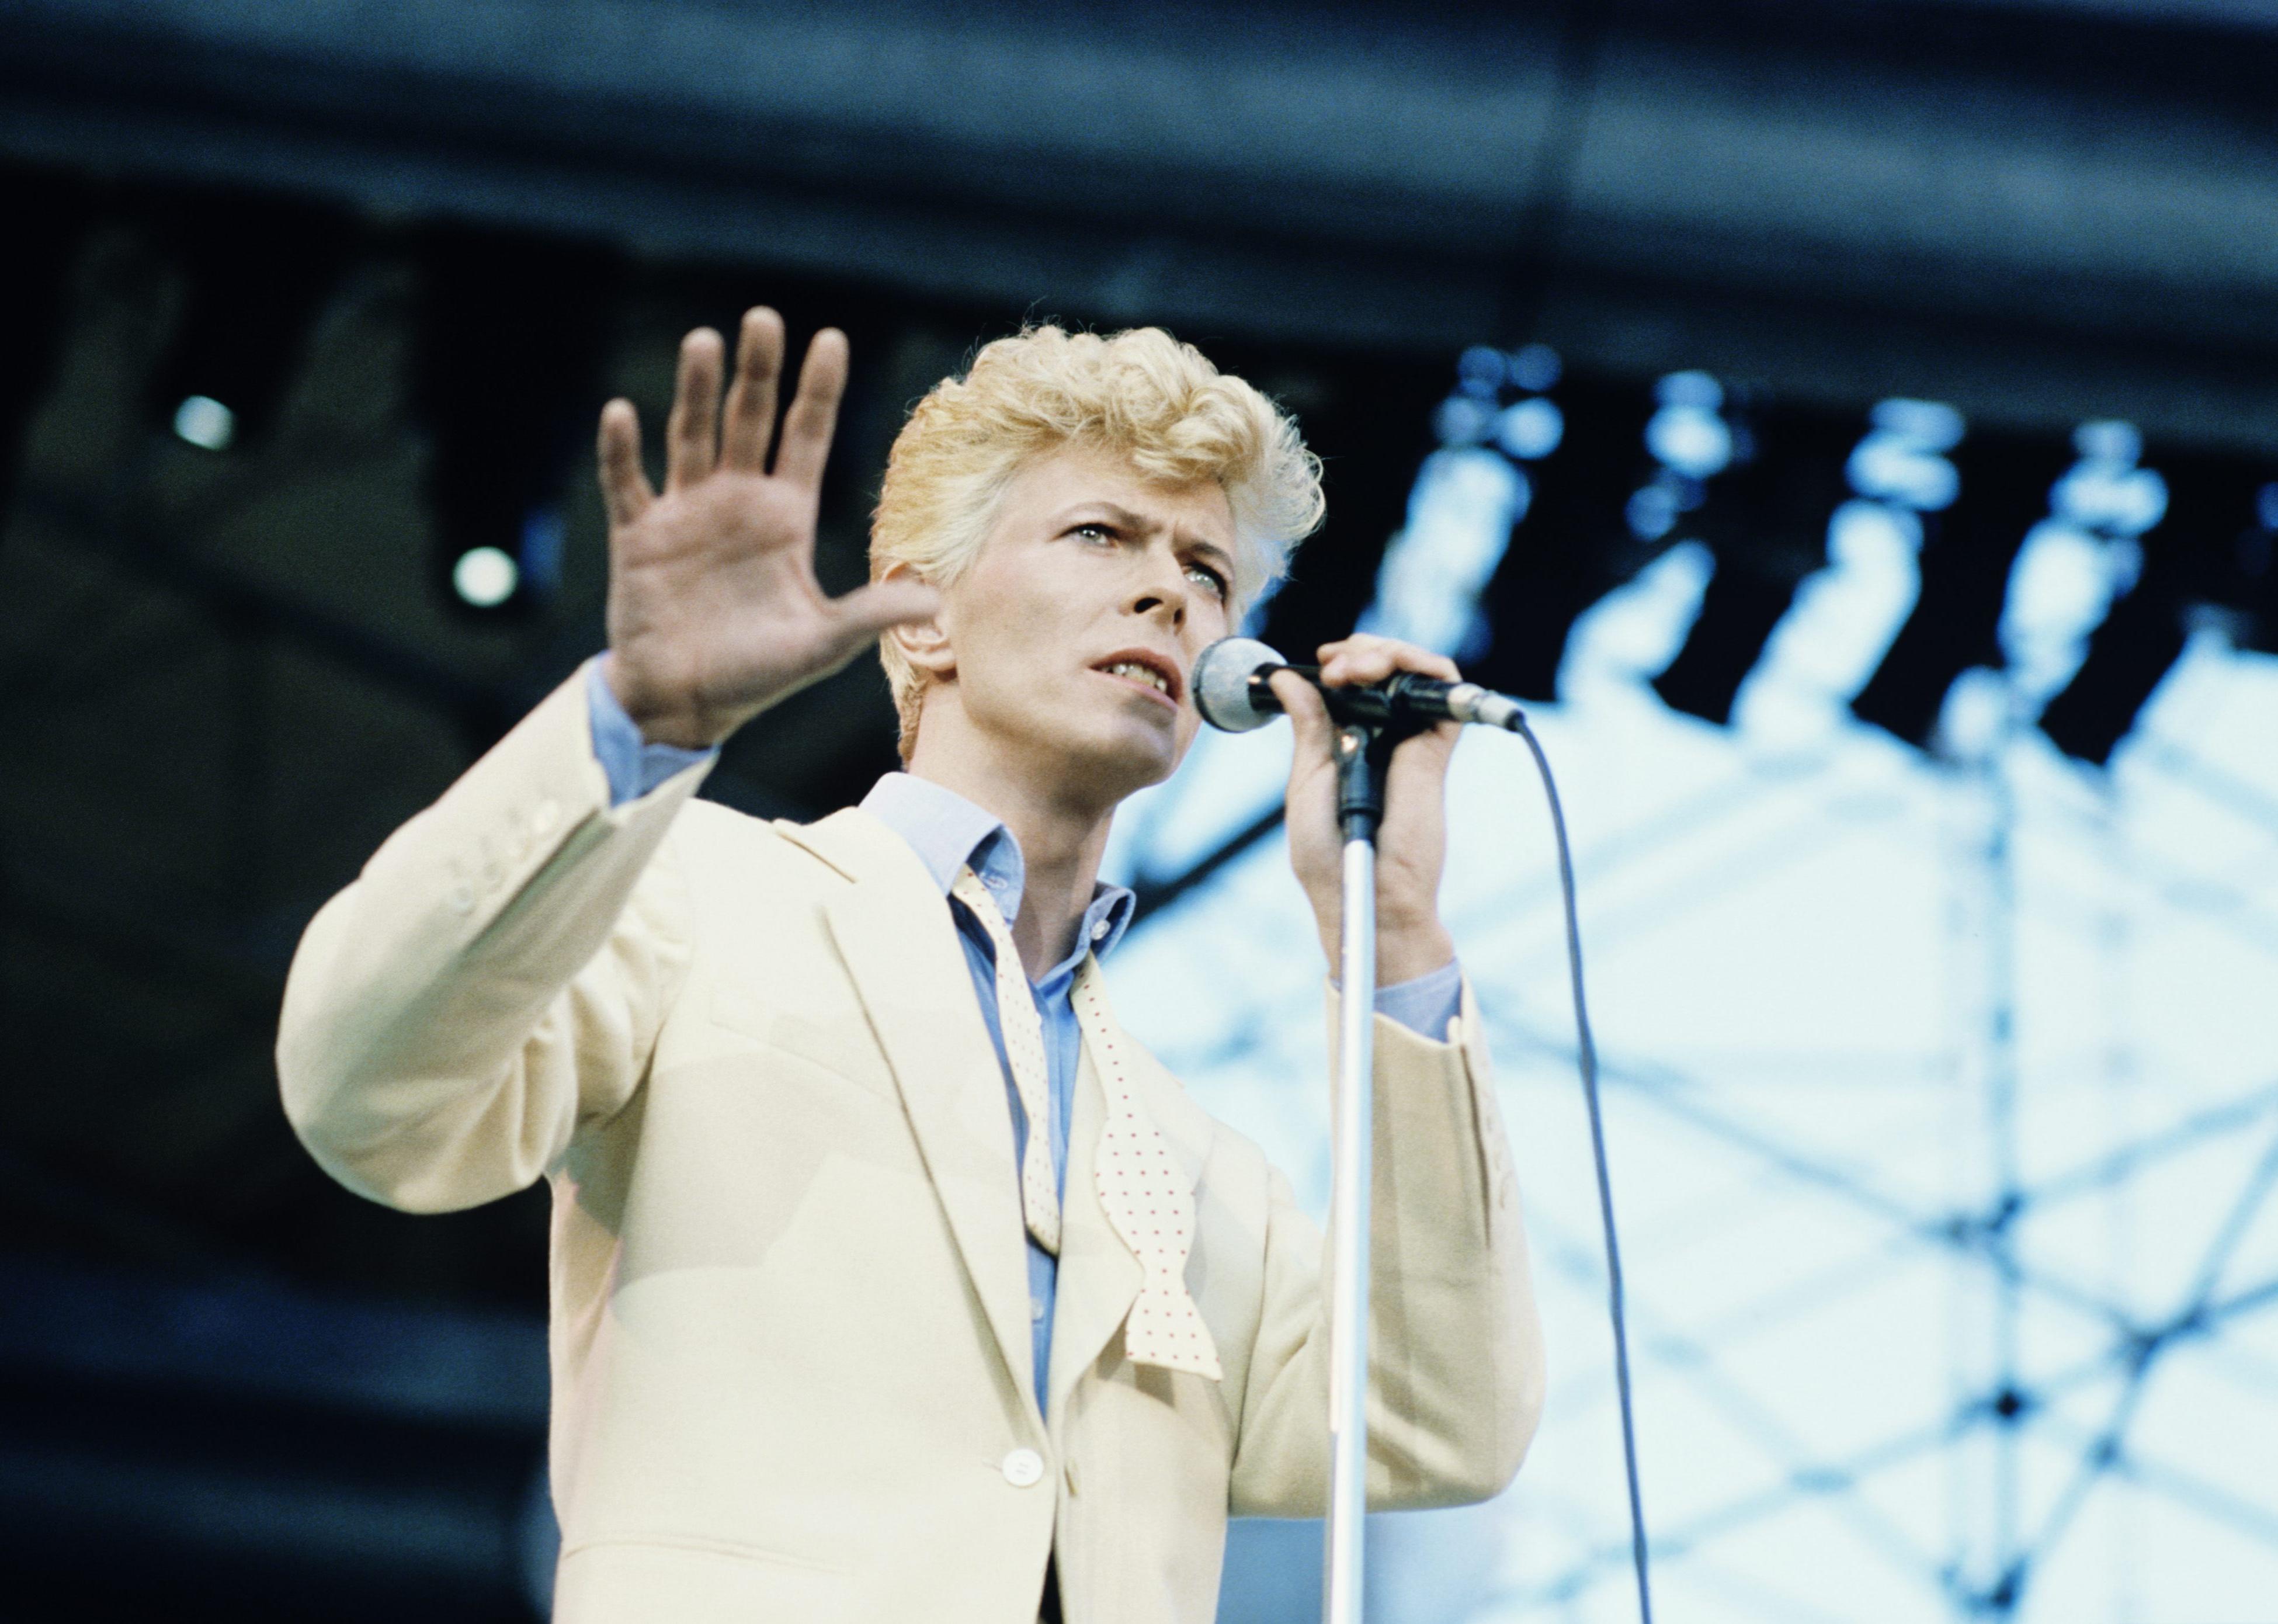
(205, 422)
(1463, 419)
(2207, 547)
(1530, 429)
(1902, 461)
(1536, 367)
(507, 373)
(2004, 481)
(1481, 369)
(1766, 526)
(1688, 435)
(1467, 502)
(2078, 562)
(1576, 544)
(256, 271)
(485, 577)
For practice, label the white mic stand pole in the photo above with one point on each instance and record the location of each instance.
(1363, 753)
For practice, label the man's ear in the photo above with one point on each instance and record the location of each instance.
(924, 643)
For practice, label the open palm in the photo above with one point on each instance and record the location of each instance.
(715, 612)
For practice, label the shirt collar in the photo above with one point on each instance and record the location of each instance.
(949, 833)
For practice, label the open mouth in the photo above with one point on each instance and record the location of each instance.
(1149, 672)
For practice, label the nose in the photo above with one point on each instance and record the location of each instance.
(1163, 591)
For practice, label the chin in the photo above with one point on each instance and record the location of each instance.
(1122, 763)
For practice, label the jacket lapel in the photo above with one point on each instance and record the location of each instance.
(902, 952)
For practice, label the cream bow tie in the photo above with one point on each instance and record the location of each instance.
(1147, 1199)
(1141, 1187)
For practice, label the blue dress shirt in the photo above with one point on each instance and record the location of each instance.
(949, 833)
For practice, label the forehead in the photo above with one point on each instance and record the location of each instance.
(1060, 482)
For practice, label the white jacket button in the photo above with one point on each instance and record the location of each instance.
(1024, 1469)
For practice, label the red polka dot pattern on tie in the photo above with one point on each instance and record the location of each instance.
(1147, 1199)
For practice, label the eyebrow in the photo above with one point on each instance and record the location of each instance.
(1125, 518)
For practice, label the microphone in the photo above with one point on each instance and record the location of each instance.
(1231, 691)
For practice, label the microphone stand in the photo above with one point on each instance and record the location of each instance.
(1364, 751)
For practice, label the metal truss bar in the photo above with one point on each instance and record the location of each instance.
(1718, 878)
(2250, 1301)
(2187, 1489)
(1817, 1481)
(2093, 1176)
(2128, 1358)
(2105, 1449)
(1691, 1359)
(1152, 897)
(1830, 1285)
(2182, 889)
(1703, 814)
(1837, 1477)
(1760, 1599)
(2233, 1228)
(2217, 785)
(1949, 1233)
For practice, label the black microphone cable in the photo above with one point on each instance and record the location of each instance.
(1587, 1049)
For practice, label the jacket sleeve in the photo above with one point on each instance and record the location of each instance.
(495, 976)
(1455, 1356)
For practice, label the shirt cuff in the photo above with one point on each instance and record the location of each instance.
(632, 765)
(1425, 1005)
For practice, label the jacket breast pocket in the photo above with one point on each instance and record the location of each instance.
(844, 1048)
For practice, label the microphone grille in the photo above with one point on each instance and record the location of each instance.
(1221, 680)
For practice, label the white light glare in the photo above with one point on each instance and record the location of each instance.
(1462, 420)
(1932, 425)
(205, 422)
(2113, 500)
(1531, 428)
(1695, 389)
(1460, 517)
(2109, 440)
(2106, 491)
(1481, 369)
(1652, 511)
(1899, 461)
(484, 577)
(1535, 367)
(1690, 438)
(1890, 468)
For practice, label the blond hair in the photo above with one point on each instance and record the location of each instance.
(1140, 394)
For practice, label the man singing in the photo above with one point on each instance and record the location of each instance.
(891, 1279)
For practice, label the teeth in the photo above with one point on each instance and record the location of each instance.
(1138, 673)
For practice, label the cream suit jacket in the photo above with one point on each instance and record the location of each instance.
(790, 1311)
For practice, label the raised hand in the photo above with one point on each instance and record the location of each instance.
(714, 613)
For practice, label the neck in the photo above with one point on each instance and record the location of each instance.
(1062, 838)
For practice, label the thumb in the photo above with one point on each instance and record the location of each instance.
(1309, 718)
(867, 610)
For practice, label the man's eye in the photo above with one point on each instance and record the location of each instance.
(1097, 532)
(1217, 581)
